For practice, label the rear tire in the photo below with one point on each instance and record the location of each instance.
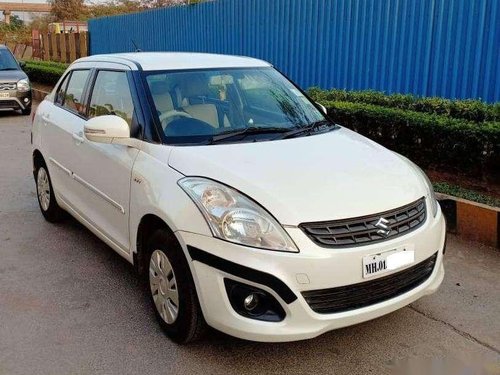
(171, 289)
(45, 194)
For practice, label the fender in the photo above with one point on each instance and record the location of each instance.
(154, 190)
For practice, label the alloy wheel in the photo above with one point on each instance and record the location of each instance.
(43, 188)
(163, 286)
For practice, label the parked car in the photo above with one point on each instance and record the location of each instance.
(240, 202)
(15, 87)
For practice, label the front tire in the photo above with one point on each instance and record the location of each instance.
(26, 111)
(45, 194)
(172, 291)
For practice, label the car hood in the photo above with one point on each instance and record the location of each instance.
(12, 75)
(330, 176)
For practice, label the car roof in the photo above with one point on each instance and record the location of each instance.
(149, 61)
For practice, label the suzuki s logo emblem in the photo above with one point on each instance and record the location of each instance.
(384, 229)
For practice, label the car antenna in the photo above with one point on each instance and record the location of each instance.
(137, 49)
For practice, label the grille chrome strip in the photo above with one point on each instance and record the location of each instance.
(364, 230)
(8, 86)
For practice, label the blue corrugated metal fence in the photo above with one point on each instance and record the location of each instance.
(448, 48)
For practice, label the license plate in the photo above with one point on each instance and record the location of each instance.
(377, 264)
(4, 95)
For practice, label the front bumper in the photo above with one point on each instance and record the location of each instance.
(286, 275)
(16, 100)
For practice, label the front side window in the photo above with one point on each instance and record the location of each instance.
(61, 91)
(73, 96)
(112, 96)
(197, 107)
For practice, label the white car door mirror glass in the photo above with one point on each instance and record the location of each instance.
(107, 129)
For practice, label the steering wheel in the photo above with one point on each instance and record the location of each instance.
(172, 113)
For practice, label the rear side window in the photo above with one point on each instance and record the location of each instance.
(112, 96)
(73, 96)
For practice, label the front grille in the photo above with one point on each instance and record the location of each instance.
(9, 104)
(355, 296)
(363, 230)
(8, 86)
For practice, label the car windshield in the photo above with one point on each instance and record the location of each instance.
(7, 61)
(229, 105)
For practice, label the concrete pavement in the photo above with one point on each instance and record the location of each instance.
(70, 305)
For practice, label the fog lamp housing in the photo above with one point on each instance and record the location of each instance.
(252, 302)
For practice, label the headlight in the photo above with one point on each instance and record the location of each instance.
(432, 196)
(234, 217)
(23, 85)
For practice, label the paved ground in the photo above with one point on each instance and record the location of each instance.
(69, 305)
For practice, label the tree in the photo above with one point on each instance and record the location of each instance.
(68, 10)
(16, 22)
(41, 22)
(147, 4)
(111, 8)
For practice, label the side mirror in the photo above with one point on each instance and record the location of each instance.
(22, 64)
(107, 129)
(323, 108)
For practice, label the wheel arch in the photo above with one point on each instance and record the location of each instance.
(38, 159)
(147, 226)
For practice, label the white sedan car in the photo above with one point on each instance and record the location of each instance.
(235, 196)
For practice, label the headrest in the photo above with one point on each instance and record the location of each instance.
(195, 87)
(159, 88)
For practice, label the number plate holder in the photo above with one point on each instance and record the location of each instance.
(380, 263)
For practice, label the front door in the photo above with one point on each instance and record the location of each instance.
(103, 171)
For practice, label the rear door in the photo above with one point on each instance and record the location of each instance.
(62, 121)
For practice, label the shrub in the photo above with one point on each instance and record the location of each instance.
(431, 140)
(472, 110)
(47, 72)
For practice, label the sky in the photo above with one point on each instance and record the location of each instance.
(41, 1)
(27, 16)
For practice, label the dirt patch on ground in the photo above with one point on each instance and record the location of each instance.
(42, 87)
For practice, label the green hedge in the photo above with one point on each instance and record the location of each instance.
(460, 192)
(46, 72)
(472, 110)
(432, 141)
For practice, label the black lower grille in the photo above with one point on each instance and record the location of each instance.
(366, 230)
(9, 104)
(355, 296)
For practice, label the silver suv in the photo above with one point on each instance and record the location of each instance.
(15, 87)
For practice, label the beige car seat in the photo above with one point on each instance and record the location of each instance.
(191, 96)
(161, 96)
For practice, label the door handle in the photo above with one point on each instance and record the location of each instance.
(78, 137)
(46, 119)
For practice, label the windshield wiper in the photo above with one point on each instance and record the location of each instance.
(312, 127)
(246, 131)
(1, 69)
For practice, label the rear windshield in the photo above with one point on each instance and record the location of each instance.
(194, 106)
